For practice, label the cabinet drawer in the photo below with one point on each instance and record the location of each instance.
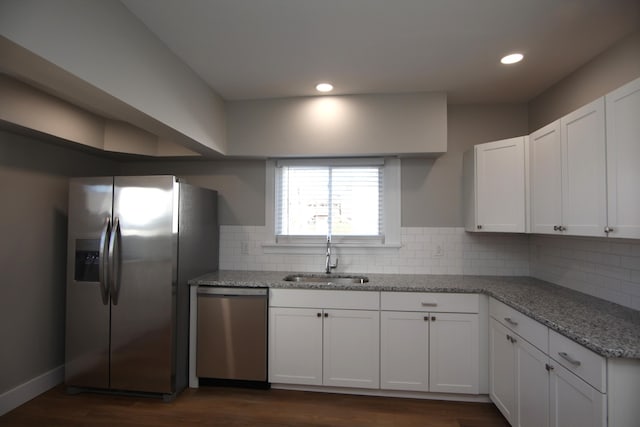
(583, 362)
(313, 298)
(532, 331)
(430, 301)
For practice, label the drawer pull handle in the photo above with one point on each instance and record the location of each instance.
(510, 321)
(429, 304)
(569, 359)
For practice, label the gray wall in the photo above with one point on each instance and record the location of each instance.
(33, 225)
(240, 184)
(609, 70)
(432, 188)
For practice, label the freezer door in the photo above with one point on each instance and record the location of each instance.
(143, 277)
(87, 311)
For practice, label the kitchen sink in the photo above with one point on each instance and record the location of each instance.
(326, 278)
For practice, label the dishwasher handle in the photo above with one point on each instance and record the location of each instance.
(231, 292)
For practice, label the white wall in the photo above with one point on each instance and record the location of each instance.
(105, 46)
(349, 125)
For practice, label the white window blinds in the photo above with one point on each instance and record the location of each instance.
(336, 200)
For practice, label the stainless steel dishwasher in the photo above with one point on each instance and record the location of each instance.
(232, 334)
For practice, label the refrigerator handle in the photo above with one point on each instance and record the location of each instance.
(102, 256)
(115, 261)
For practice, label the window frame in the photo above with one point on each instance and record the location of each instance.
(391, 204)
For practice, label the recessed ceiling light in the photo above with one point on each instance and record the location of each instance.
(512, 58)
(324, 87)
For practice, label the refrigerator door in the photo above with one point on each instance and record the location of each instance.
(88, 308)
(143, 276)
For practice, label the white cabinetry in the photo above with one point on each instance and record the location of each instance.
(295, 345)
(567, 174)
(623, 153)
(574, 402)
(584, 171)
(431, 342)
(324, 338)
(545, 179)
(494, 186)
(541, 378)
(519, 382)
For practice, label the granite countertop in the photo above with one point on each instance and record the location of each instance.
(608, 329)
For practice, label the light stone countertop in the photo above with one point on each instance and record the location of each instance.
(608, 329)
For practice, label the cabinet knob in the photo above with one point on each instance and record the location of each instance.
(608, 229)
(319, 314)
(479, 227)
(559, 228)
(548, 367)
(326, 315)
(433, 318)
(426, 318)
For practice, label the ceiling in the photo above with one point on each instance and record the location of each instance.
(253, 49)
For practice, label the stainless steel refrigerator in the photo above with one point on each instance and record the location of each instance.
(133, 243)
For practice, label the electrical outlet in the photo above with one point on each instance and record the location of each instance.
(244, 248)
(438, 251)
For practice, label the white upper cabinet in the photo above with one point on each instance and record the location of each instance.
(623, 155)
(545, 178)
(568, 174)
(495, 186)
(584, 209)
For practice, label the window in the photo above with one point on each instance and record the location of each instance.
(355, 201)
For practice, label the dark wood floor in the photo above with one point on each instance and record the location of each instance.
(216, 406)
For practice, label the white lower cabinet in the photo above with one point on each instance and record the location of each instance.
(351, 343)
(429, 350)
(404, 351)
(574, 402)
(454, 351)
(295, 346)
(539, 378)
(325, 346)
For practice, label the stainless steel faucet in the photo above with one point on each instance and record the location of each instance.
(328, 266)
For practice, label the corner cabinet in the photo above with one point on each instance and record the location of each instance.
(494, 186)
(326, 338)
(539, 378)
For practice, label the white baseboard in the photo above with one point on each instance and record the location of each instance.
(481, 398)
(15, 397)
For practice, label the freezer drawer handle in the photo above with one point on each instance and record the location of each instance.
(102, 267)
(429, 304)
(115, 261)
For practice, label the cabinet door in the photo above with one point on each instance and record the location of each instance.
(623, 152)
(454, 353)
(295, 346)
(502, 370)
(583, 171)
(545, 157)
(500, 174)
(574, 402)
(404, 351)
(532, 385)
(352, 348)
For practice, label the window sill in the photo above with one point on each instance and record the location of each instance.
(316, 248)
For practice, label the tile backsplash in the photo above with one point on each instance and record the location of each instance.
(606, 268)
(424, 250)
